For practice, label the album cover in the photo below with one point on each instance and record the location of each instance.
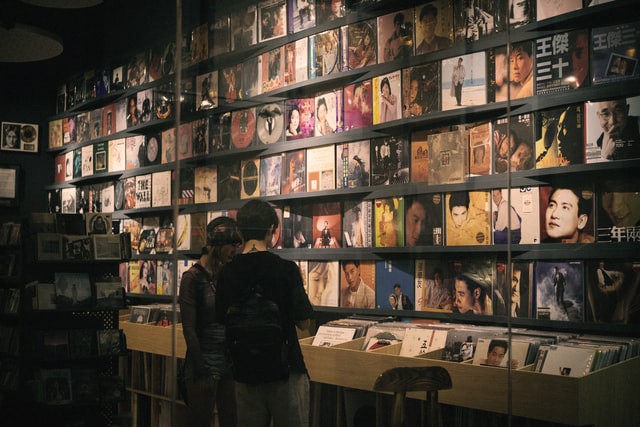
(207, 90)
(163, 102)
(118, 78)
(129, 187)
(480, 149)
(618, 215)
(61, 98)
(136, 70)
(200, 135)
(517, 149)
(549, 8)
(161, 189)
(72, 289)
(96, 116)
(134, 152)
(100, 157)
(352, 164)
(270, 123)
(524, 220)
(107, 197)
(300, 118)
(357, 223)
(394, 284)
(389, 161)
(389, 222)
(108, 119)
(324, 53)
(424, 220)
(473, 20)
(219, 36)
(155, 55)
(220, 132)
(270, 175)
(612, 291)
(296, 61)
(612, 129)
(566, 214)
(297, 225)
(188, 96)
(560, 136)
(434, 288)
(243, 128)
(168, 138)
(82, 128)
(199, 45)
(321, 168)
(252, 77)
(447, 157)
(327, 335)
(358, 105)
(434, 26)
(229, 174)
(387, 103)
(475, 273)
(186, 191)
(327, 226)
(55, 386)
(69, 130)
(562, 62)
(145, 106)
(143, 191)
(359, 45)
(358, 284)
(164, 280)
(464, 81)
(205, 182)
(59, 168)
(467, 218)
(615, 52)
(77, 163)
(395, 35)
(118, 195)
(519, 287)
(512, 77)
(185, 141)
(559, 292)
(420, 89)
(87, 160)
(54, 198)
(422, 340)
(198, 230)
(148, 276)
(273, 69)
(294, 176)
(121, 115)
(324, 283)
(244, 27)
(301, 15)
(134, 282)
(329, 11)
(147, 240)
(183, 233)
(117, 155)
(383, 335)
(272, 19)
(231, 84)
(250, 178)
(55, 133)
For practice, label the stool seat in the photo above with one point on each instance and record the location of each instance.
(399, 381)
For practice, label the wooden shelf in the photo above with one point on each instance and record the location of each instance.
(601, 398)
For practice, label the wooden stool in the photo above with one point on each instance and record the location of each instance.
(399, 381)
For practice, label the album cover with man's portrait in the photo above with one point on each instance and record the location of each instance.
(353, 165)
(394, 284)
(618, 215)
(301, 15)
(272, 19)
(390, 161)
(513, 148)
(329, 10)
(95, 127)
(421, 89)
(464, 81)
(467, 218)
(558, 290)
(424, 220)
(433, 26)
(395, 35)
(615, 53)
(567, 213)
(562, 62)
(612, 131)
(83, 127)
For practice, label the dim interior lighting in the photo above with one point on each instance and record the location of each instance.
(63, 4)
(23, 43)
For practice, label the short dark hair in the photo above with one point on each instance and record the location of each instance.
(397, 286)
(498, 343)
(473, 285)
(459, 198)
(255, 218)
(584, 205)
(428, 10)
(351, 261)
(398, 18)
(523, 47)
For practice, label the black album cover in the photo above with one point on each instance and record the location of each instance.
(389, 161)
(153, 150)
(359, 44)
(95, 128)
(200, 137)
(229, 174)
(424, 220)
(168, 59)
(243, 127)
(515, 148)
(473, 20)
(100, 157)
(207, 90)
(220, 132)
(613, 291)
(420, 90)
(219, 36)
(297, 225)
(145, 106)
(244, 27)
(250, 181)
(252, 77)
(118, 78)
(615, 53)
(186, 191)
(270, 123)
(188, 96)
(199, 43)
(618, 203)
(562, 62)
(163, 102)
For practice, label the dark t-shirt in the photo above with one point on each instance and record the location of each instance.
(282, 284)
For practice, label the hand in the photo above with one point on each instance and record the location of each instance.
(608, 147)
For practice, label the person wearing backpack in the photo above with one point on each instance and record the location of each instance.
(207, 373)
(261, 300)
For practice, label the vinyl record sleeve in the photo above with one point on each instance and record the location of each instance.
(395, 35)
(353, 165)
(250, 185)
(243, 128)
(270, 123)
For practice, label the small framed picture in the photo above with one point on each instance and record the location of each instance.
(106, 246)
(22, 137)
(109, 292)
(50, 247)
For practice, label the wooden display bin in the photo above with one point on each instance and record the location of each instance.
(607, 397)
(153, 339)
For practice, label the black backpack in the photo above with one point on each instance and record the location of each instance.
(256, 339)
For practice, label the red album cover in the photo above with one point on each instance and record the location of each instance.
(243, 127)
(358, 105)
(327, 226)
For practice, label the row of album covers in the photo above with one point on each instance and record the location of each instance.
(563, 290)
(432, 26)
(554, 353)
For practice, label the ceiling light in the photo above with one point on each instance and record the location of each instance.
(23, 43)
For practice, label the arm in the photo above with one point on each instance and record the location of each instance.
(188, 311)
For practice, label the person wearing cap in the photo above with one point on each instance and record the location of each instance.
(207, 371)
(471, 295)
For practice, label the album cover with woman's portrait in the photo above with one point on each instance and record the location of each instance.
(357, 223)
(243, 128)
(514, 148)
(359, 45)
(294, 172)
(272, 69)
(358, 107)
(324, 49)
(301, 15)
(387, 97)
(324, 283)
(420, 89)
(244, 27)
(296, 61)
(272, 19)
(299, 118)
(559, 136)
(353, 164)
(328, 109)
(270, 123)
